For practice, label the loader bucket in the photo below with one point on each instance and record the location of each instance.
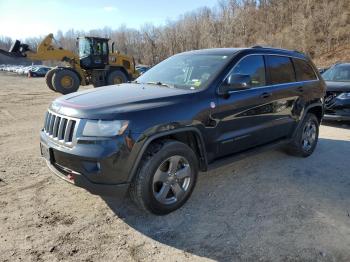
(17, 50)
(9, 54)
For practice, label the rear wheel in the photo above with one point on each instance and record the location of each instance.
(48, 78)
(116, 77)
(166, 177)
(66, 81)
(306, 138)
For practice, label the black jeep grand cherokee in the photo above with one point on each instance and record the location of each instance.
(193, 111)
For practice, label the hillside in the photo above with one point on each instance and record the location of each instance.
(341, 53)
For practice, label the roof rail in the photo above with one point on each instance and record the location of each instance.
(264, 46)
(278, 48)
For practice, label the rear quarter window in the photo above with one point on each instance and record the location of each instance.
(303, 70)
(279, 69)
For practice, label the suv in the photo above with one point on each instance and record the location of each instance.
(337, 100)
(193, 111)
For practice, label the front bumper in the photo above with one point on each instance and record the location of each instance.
(336, 117)
(101, 166)
(118, 190)
(337, 109)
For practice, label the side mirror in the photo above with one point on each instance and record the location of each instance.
(236, 82)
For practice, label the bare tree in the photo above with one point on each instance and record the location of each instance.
(312, 26)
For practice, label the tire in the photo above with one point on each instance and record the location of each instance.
(48, 78)
(147, 187)
(305, 140)
(65, 81)
(116, 77)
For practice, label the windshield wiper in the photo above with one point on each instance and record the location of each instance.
(160, 84)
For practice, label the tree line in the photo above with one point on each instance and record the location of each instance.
(310, 26)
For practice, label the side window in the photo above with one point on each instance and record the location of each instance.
(105, 49)
(280, 69)
(254, 67)
(97, 49)
(303, 70)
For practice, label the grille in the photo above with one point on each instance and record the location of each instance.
(59, 128)
(330, 99)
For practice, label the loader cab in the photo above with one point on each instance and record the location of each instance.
(93, 52)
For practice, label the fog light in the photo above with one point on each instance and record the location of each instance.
(92, 167)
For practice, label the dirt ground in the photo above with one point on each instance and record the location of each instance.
(269, 207)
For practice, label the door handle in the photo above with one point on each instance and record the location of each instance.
(265, 95)
(300, 89)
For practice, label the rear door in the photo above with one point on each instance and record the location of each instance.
(308, 81)
(286, 91)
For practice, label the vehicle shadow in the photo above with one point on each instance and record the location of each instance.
(269, 207)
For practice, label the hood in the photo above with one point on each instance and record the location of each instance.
(106, 102)
(338, 86)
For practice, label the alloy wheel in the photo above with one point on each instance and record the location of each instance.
(172, 179)
(309, 135)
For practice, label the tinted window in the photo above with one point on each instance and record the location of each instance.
(303, 70)
(254, 67)
(280, 69)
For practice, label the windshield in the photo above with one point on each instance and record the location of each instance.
(188, 71)
(84, 47)
(338, 73)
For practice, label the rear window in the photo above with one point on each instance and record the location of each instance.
(303, 70)
(280, 69)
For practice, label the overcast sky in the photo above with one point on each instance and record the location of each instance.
(21, 19)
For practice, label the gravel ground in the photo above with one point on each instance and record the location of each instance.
(269, 207)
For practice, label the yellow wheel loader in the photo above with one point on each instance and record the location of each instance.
(94, 64)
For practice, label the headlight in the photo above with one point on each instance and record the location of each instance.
(344, 96)
(104, 127)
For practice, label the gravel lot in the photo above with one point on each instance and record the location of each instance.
(270, 207)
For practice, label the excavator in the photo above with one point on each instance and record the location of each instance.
(94, 64)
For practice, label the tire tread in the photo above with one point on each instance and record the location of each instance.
(137, 187)
(294, 147)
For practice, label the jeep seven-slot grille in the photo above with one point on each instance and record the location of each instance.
(59, 127)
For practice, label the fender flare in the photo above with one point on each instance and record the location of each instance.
(305, 111)
(200, 141)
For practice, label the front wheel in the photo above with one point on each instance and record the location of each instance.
(306, 138)
(166, 177)
(48, 78)
(65, 81)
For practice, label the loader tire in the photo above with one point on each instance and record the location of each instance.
(66, 81)
(116, 77)
(48, 78)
